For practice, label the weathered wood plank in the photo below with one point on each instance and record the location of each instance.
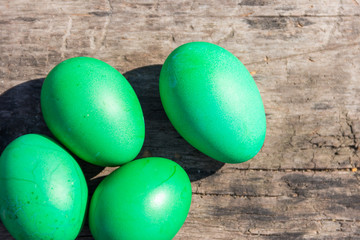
(120, 33)
(304, 56)
(233, 204)
(237, 204)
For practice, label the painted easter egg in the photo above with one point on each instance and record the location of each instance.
(213, 102)
(147, 198)
(92, 109)
(43, 192)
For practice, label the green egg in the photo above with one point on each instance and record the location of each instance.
(147, 199)
(43, 192)
(213, 102)
(92, 109)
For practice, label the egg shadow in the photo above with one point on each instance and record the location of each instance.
(161, 138)
(20, 113)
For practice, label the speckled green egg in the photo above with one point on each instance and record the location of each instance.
(92, 109)
(147, 199)
(213, 102)
(43, 192)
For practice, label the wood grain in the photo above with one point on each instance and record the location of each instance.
(304, 56)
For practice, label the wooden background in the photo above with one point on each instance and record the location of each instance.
(304, 56)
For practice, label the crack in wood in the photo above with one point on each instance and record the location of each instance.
(306, 15)
(353, 146)
(294, 235)
(293, 169)
(339, 46)
(236, 195)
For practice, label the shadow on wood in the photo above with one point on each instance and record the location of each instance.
(161, 138)
(20, 113)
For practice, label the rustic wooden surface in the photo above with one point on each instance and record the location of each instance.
(304, 56)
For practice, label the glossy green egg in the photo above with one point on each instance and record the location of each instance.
(92, 109)
(147, 199)
(213, 102)
(43, 192)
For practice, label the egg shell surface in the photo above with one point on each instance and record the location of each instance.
(213, 102)
(43, 192)
(147, 198)
(92, 109)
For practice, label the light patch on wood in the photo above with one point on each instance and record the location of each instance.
(65, 37)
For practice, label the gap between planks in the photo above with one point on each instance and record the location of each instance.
(295, 169)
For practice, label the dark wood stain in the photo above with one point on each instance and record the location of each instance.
(253, 3)
(267, 23)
